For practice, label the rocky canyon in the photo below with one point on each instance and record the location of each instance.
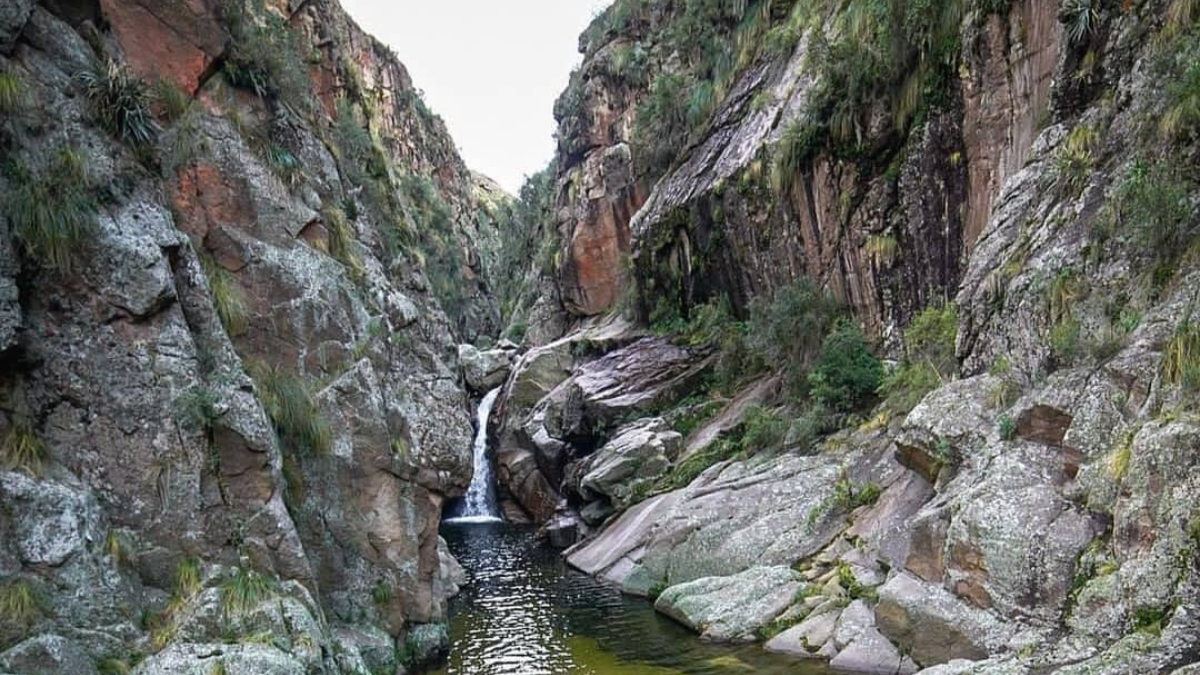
(859, 330)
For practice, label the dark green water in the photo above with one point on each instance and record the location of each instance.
(524, 612)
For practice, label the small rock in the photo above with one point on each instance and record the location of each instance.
(485, 369)
(47, 655)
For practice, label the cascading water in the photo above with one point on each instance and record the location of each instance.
(479, 504)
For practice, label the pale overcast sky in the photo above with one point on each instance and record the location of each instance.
(491, 68)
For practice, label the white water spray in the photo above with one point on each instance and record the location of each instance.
(479, 504)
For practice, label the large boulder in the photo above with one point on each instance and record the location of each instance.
(485, 369)
(632, 462)
(733, 608)
(933, 626)
(862, 649)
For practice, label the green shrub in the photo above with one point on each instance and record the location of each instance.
(763, 429)
(683, 473)
(121, 102)
(113, 666)
(243, 592)
(228, 297)
(847, 374)
(289, 401)
(907, 384)
(12, 93)
(931, 336)
(1152, 620)
(1152, 203)
(19, 605)
(786, 330)
(265, 55)
(23, 450)
(54, 212)
(815, 422)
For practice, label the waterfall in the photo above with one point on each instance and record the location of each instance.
(479, 504)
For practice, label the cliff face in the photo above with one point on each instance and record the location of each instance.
(231, 400)
(1014, 183)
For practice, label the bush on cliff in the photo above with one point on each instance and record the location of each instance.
(846, 374)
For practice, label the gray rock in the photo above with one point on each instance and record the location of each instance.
(933, 626)
(632, 462)
(47, 655)
(452, 573)
(200, 659)
(734, 608)
(806, 638)
(13, 15)
(485, 369)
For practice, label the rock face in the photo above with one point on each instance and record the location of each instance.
(245, 376)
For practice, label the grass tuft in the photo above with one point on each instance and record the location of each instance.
(1181, 361)
(292, 406)
(341, 243)
(24, 451)
(54, 212)
(19, 604)
(228, 298)
(244, 592)
(13, 96)
(120, 101)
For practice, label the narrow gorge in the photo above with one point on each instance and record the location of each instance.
(837, 336)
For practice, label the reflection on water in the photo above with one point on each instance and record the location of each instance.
(523, 612)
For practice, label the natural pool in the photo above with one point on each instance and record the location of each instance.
(524, 612)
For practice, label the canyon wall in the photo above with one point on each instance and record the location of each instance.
(238, 254)
(1031, 507)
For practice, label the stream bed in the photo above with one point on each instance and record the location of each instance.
(523, 611)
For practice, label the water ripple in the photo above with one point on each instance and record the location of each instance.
(523, 612)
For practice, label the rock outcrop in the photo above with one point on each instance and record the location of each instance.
(231, 399)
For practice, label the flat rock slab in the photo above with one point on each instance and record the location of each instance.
(734, 608)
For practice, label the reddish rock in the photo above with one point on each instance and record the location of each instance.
(173, 40)
(206, 198)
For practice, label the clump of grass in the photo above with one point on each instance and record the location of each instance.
(929, 358)
(284, 163)
(382, 592)
(1074, 160)
(13, 95)
(228, 298)
(121, 102)
(1065, 341)
(289, 401)
(23, 450)
(1120, 456)
(118, 548)
(1181, 360)
(198, 408)
(341, 243)
(173, 101)
(187, 579)
(53, 213)
(113, 666)
(1007, 428)
(19, 604)
(243, 592)
(1081, 18)
(882, 249)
